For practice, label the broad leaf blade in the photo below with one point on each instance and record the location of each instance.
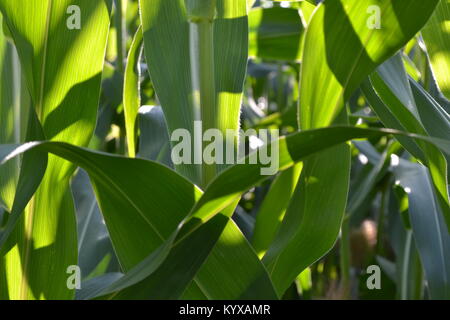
(341, 49)
(275, 34)
(429, 229)
(436, 35)
(62, 68)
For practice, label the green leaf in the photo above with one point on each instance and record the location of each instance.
(273, 208)
(436, 35)
(432, 115)
(394, 97)
(232, 262)
(9, 115)
(409, 274)
(389, 119)
(154, 143)
(94, 245)
(131, 89)
(62, 68)
(310, 1)
(406, 271)
(158, 216)
(116, 192)
(229, 185)
(93, 287)
(275, 34)
(430, 233)
(340, 51)
(366, 179)
(178, 82)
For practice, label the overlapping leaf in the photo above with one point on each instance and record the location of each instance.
(436, 35)
(397, 107)
(166, 23)
(62, 65)
(342, 46)
(116, 190)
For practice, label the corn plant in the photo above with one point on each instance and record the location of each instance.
(224, 149)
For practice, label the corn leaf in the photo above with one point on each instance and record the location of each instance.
(275, 34)
(94, 244)
(9, 115)
(341, 48)
(173, 74)
(229, 185)
(436, 35)
(131, 97)
(62, 66)
(396, 97)
(141, 224)
(273, 208)
(429, 229)
(154, 143)
(116, 190)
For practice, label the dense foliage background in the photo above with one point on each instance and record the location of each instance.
(355, 212)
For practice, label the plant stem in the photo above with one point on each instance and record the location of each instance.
(203, 81)
(121, 7)
(344, 246)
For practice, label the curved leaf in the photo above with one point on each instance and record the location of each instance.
(394, 98)
(429, 229)
(341, 49)
(131, 89)
(117, 191)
